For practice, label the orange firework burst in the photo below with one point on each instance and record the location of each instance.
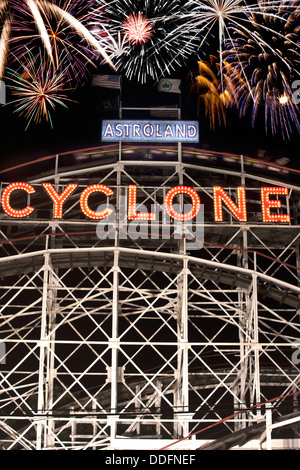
(215, 96)
(137, 28)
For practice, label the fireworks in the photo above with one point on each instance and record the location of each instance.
(137, 28)
(156, 37)
(263, 64)
(211, 96)
(45, 52)
(213, 19)
(4, 45)
(58, 25)
(77, 26)
(118, 45)
(257, 47)
(38, 89)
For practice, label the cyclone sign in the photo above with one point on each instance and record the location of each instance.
(269, 198)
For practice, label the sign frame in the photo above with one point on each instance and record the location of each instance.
(120, 130)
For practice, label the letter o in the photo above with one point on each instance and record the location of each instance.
(150, 134)
(182, 190)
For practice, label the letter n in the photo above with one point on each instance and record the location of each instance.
(239, 210)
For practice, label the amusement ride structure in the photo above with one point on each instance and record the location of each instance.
(133, 317)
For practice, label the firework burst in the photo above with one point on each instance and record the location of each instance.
(210, 96)
(63, 22)
(38, 89)
(154, 46)
(214, 21)
(57, 24)
(137, 28)
(117, 46)
(263, 63)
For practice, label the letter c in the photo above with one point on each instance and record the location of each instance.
(5, 199)
(101, 188)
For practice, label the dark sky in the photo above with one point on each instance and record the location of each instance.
(79, 126)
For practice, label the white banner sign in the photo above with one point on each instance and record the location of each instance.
(150, 131)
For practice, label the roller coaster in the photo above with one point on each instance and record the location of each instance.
(113, 338)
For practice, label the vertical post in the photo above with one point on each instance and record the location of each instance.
(73, 427)
(269, 426)
(41, 379)
(179, 146)
(120, 117)
(53, 307)
(137, 408)
(298, 272)
(245, 326)
(240, 390)
(182, 382)
(119, 215)
(114, 345)
(256, 341)
(245, 319)
(56, 164)
(295, 400)
(242, 171)
(157, 406)
(181, 397)
(185, 345)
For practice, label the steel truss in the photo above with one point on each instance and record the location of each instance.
(137, 342)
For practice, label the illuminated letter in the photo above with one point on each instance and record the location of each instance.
(119, 130)
(182, 190)
(59, 199)
(146, 132)
(238, 211)
(84, 201)
(108, 131)
(192, 131)
(132, 214)
(158, 134)
(180, 130)
(169, 131)
(136, 130)
(266, 204)
(5, 199)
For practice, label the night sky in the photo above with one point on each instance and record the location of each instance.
(79, 126)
